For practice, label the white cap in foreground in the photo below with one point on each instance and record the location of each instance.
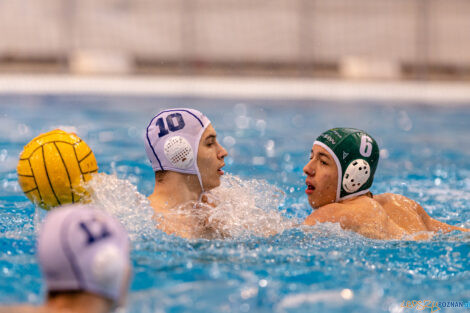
(84, 249)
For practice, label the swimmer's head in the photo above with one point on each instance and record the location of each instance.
(83, 249)
(342, 165)
(183, 141)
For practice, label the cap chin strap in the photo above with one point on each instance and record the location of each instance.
(199, 135)
(202, 187)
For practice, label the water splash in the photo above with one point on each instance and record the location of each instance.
(238, 208)
(121, 199)
(249, 207)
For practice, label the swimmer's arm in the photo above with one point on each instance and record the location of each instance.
(433, 224)
(430, 223)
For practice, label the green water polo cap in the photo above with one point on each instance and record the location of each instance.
(356, 155)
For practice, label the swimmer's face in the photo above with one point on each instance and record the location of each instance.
(210, 159)
(322, 178)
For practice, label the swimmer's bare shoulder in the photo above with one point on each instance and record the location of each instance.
(362, 215)
(347, 215)
(327, 213)
(191, 222)
(174, 224)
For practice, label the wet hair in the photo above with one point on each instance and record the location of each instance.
(70, 293)
(160, 176)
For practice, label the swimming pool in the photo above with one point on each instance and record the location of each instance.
(425, 155)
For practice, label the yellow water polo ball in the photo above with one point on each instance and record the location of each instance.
(53, 166)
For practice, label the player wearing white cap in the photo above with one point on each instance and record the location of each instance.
(187, 159)
(84, 257)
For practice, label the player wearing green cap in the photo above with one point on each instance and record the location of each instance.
(339, 175)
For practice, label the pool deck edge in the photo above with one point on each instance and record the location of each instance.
(229, 87)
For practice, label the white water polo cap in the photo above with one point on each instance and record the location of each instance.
(82, 248)
(356, 155)
(172, 140)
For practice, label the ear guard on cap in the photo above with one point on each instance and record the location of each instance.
(179, 152)
(82, 248)
(108, 267)
(356, 175)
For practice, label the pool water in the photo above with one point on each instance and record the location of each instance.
(425, 155)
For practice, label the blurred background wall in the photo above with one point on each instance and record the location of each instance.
(385, 39)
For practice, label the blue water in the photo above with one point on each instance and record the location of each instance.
(425, 156)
